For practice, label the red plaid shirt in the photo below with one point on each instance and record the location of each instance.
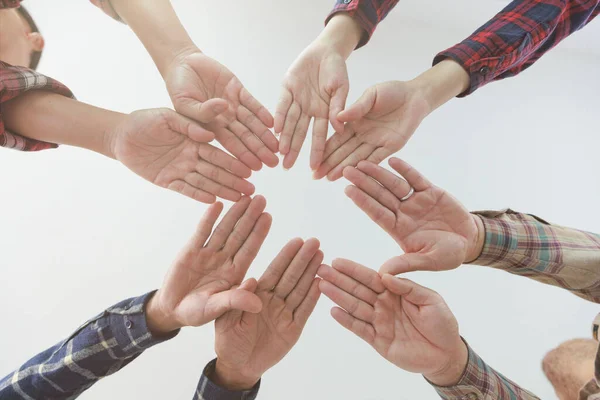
(14, 81)
(506, 45)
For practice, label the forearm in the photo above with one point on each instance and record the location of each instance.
(517, 37)
(101, 347)
(525, 245)
(442, 82)
(54, 118)
(342, 34)
(157, 26)
(484, 382)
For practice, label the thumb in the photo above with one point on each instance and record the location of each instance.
(189, 128)
(409, 290)
(249, 285)
(361, 108)
(336, 106)
(406, 263)
(210, 109)
(234, 299)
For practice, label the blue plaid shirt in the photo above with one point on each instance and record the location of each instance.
(99, 348)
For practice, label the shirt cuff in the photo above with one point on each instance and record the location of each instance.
(10, 3)
(127, 320)
(366, 19)
(208, 390)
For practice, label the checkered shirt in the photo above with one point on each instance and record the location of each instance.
(509, 43)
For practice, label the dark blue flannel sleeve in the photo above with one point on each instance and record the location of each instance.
(517, 37)
(99, 348)
(208, 390)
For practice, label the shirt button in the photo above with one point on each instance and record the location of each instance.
(484, 70)
(347, 1)
(128, 324)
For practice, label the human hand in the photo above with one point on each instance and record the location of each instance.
(170, 151)
(407, 324)
(377, 125)
(200, 286)
(248, 344)
(316, 87)
(435, 231)
(206, 91)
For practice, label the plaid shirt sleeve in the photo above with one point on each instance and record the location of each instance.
(208, 390)
(368, 13)
(517, 37)
(481, 382)
(528, 246)
(14, 81)
(101, 347)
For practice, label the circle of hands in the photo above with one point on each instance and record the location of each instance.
(258, 322)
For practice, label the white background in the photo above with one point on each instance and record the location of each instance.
(79, 232)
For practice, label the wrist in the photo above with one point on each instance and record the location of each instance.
(442, 82)
(232, 379)
(452, 371)
(476, 245)
(160, 323)
(342, 34)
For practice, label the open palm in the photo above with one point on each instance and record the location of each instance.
(378, 125)
(167, 149)
(249, 344)
(206, 91)
(200, 286)
(408, 325)
(316, 86)
(435, 231)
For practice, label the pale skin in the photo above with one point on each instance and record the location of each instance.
(248, 344)
(407, 324)
(199, 85)
(205, 281)
(159, 145)
(435, 231)
(385, 117)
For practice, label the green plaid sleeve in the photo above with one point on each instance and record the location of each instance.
(526, 245)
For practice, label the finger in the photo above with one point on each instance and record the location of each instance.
(235, 146)
(408, 262)
(359, 273)
(255, 107)
(319, 141)
(283, 106)
(361, 108)
(249, 250)
(297, 141)
(206, 224)
(411, 291)
(378, 213)
(339, 155)
(234, 299)
(254, 144)
(296, 268)
(260, 130)
(336, 105)
(245, 225)
(185, 126)
(205, 184)
(225, 178)
(394, 183)
(306, 308)
(412, 176)
(221, 159)
(379, 155)
(372, 188)
(204, 112)
(297, 295)
(347, 284)
(225, 227)
(354, 306)
(291, 120)
(278, 266)
(358, 155)
(360, 328)
(192, 192)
